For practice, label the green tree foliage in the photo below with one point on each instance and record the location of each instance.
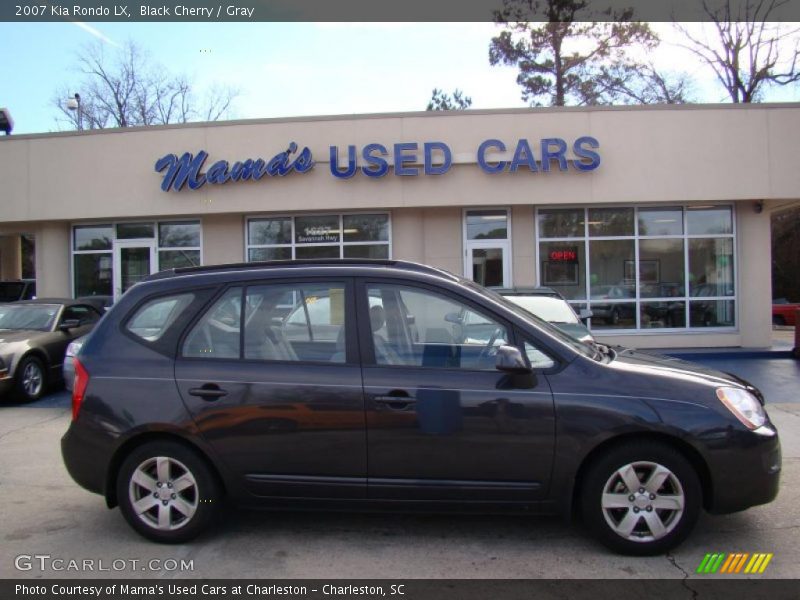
(568, 54)
(440, 100)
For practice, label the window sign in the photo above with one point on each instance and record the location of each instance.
(317, 230)
(318, 236)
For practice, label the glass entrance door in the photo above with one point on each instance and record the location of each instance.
(488, 265)
(133, 261)
(487, 246)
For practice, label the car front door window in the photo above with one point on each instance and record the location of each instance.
(419, 328)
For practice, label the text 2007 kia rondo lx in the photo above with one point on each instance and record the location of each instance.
(382, 384)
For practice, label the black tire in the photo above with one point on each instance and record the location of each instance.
(614, 318)
(778, 320)
(601, 476)
(30, 365)
(204, 497)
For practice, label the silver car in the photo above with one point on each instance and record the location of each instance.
(34, 335)
(69, 361)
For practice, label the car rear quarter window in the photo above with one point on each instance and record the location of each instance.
(153, 318)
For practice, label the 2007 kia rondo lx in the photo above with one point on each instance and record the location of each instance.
(383, 384)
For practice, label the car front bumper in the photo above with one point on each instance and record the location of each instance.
(748, 474)
(6, 384)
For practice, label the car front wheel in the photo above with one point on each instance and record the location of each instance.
(166, 492)
(31, 378)
(641, 498)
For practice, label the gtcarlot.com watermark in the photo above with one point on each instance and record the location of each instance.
(47, 562)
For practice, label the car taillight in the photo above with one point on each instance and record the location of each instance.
(78, 387)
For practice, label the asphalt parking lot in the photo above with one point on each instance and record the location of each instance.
(43, 513)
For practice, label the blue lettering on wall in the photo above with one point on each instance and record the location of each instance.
(378, 167)
(579, 149)
(351, 163)
(401, 160)
(218, 172)
(447, 158)
(523, 155)
(375, 163)
(558, 153)
(181, 171)
(489, 168)
(186, 169)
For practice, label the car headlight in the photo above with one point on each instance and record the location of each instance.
(744, 405)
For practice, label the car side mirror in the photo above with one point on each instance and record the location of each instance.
(510, 360)
(68, 324)
(584, 314)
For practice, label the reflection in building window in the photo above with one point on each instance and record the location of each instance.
(642, 268)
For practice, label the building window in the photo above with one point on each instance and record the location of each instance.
(178, 244)
(137, 248)
(92, 258)
(642, 268)
(319, 236)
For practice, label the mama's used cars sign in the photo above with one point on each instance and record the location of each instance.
(374, 160)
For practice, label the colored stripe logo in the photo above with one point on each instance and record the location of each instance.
(734, 563)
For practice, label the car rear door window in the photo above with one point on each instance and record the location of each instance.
(295, 322)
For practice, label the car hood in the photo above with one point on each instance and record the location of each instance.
(10, 336)
(674, 369)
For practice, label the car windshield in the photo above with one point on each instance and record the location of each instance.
(553, 310)
(38, 317)
(552, 330)
(10, 291)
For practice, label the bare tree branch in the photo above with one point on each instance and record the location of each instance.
(748, 52)
(126, 89)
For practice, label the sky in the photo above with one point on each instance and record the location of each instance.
(295, 69)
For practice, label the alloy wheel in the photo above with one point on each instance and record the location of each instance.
(32, 379)
(643, 501)
(163, 493)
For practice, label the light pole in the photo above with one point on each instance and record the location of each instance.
(74, 103)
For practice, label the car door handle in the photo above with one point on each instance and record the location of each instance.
(208, 391)
(395, 402)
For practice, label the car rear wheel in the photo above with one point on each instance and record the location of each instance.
(166, 492)
(641, 498)
(31, 378)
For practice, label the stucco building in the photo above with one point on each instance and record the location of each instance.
(655, 218)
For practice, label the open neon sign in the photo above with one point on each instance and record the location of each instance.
(564, 255)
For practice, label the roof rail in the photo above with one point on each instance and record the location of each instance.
(290, 264)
